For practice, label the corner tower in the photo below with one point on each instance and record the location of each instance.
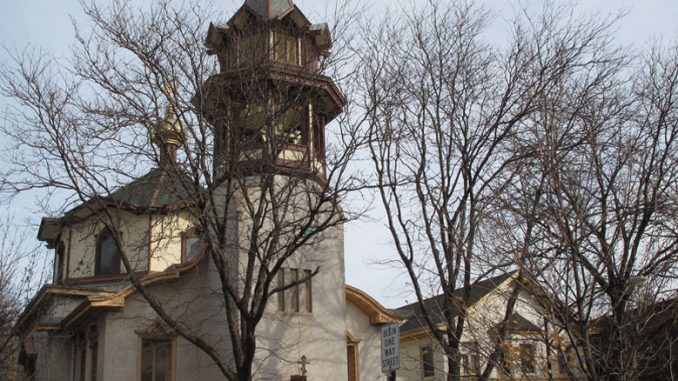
(269, 104)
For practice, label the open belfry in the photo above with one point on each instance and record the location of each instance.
(270, 103)
(148, 296)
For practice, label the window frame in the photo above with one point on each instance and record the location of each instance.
(194, 232)
(172, 340)
(297, 299)
(284, 43)
(353, 352)
(527, 356)
(428, 368)
(60, 262)
(98, 253)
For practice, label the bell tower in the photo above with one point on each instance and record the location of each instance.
(269, 104)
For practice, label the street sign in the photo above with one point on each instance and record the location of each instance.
(390, 348)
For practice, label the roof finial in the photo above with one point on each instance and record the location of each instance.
(168, 133)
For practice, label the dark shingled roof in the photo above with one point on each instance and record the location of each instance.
(269, 9)
(156, 189)
(415, 316)
(159, 189)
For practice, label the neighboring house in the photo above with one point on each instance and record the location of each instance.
(652, 334)
(91, 324)
(527, 355)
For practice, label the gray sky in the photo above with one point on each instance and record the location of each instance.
(46, 24)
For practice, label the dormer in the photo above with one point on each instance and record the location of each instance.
(153, 222)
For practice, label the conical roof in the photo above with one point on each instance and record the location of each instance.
(270, 9)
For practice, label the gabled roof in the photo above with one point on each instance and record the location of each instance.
(415, 315)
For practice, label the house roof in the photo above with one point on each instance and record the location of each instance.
(270, 9)
(156, 190)
(415, 314)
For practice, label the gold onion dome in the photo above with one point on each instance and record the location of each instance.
(168, 131)
(168, 134)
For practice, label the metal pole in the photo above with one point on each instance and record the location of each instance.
(392, 376)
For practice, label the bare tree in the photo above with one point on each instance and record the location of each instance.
(606, 157)
(84, 127)
(21, 273)
(445, 107)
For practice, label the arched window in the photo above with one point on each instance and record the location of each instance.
(107, 255)
(190, 244)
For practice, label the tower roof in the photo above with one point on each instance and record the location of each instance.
(270, 9)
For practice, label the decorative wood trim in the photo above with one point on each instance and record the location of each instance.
(351, 339)
(117, 300)
(377, 313)
(353, 343)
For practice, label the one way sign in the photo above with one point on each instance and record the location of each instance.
(390, 348)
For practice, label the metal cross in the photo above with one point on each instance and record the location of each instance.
(304, 361)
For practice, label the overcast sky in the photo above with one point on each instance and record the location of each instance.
(47, 24)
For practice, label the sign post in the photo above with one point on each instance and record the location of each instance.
(390, 350)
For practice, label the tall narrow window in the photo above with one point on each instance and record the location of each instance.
(292, 50)
(190, 244)
(156, 360)
(281, 294)
(93, 338)
(308, 291)
(427, 365)
(294, 277)
(465, 370)
(469, 361)
(107, 255)
(527, 358)
(280, 48)
(475, 365)
(59, 263)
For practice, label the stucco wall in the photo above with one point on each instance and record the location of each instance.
(166, 238)
(193, 305)
(369, 347)
(285, 337)
(83, 236)
(50, 364)
(80, 241)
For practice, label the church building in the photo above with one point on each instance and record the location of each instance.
(92, 323)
